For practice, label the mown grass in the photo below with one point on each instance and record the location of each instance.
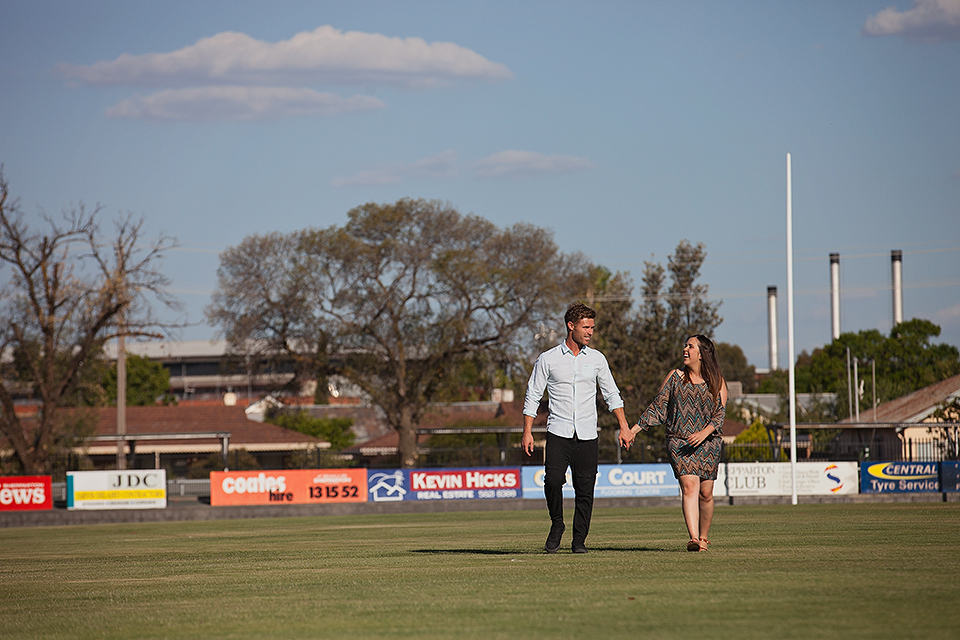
(807, 571)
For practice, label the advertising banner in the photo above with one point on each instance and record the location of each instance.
(827, 478)
(288, 486)
(133, 489)
(396, 485)
(636, 480)
(899, 477)
(613, 481)
(22, 493)
(775, 479)
(950, 476)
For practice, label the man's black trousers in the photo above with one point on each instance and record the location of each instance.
(581, 456)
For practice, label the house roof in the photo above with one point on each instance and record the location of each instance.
(732, 428)
(438, 416)
(244, 433)
(916, 406)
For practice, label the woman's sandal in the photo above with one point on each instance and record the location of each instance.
(694, 545)
(704, 544)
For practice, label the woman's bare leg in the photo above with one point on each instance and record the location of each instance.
(706, 507)
(690, 494)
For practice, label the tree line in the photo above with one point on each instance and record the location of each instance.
(889, 367)
(407, 300)
(412, 301)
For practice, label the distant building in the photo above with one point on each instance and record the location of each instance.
(218, 430)
(201, 372)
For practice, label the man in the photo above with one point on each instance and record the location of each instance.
(570, 373)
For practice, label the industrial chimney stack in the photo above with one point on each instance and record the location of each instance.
(896, 264)
(772, 327)
(834, 295)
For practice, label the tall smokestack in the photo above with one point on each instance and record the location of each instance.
(834, 295)
(896, 265)
(772, 327)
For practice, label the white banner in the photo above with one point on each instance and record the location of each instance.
(774, 479)
(133, 489)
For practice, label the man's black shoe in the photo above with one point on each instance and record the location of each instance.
(553, 540)
(578, 547)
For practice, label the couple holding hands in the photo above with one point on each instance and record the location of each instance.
(690, 404)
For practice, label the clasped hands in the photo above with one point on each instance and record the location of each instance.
(628, 435)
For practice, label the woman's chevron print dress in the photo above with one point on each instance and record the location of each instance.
(684, 408)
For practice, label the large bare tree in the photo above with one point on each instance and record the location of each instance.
(392, 299)
(65, 288)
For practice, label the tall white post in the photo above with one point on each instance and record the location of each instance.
(790, 346)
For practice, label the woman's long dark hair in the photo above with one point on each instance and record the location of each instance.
(709, 366)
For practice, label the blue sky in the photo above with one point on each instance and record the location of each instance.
(623, 126)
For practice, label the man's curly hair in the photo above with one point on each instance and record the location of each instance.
(577, 312)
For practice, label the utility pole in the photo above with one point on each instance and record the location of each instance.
(121, 396)
(849, 388)
(121, 362)
(856, 387)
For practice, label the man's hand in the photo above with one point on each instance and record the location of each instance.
(626, 436)
(526, 442)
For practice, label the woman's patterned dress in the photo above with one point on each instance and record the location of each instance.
(684, 408)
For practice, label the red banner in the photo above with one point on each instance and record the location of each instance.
(288, 486)
(464, 484)
(20, 493)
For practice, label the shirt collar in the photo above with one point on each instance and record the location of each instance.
(565, 349)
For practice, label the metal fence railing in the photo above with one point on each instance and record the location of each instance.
(188, 487)
(908, 450)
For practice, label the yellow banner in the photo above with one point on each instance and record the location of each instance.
(130, 494)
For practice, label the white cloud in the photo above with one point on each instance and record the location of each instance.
(948, 317)
(323, 56)
(926, 21)
(514, 164)
(442, 165)
(231, 104)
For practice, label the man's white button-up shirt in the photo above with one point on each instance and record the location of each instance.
(571, 384)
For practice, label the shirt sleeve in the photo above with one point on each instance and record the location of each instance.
(536, 385)
(608, 387)
(656, 413)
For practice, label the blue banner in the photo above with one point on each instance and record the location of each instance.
(950, 476)
(397, 485)
(613, 481)
(899, 477)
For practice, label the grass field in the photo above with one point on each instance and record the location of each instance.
(807, 571)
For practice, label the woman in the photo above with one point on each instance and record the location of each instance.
(690, 405)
